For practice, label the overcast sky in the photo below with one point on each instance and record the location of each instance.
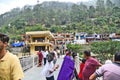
(7, 5)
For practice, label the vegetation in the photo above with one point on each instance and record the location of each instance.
(106, 50)
(102, 17)
(74, 47)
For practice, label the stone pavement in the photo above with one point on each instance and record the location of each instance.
(34, 73)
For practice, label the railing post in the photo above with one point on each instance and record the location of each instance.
(33, 60)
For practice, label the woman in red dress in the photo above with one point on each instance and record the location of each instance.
(40, 56)
(81, 68)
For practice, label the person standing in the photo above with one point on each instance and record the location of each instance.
(58, 52)
(10, 68)
(67, 68)
(44, 56)
(77, 67)
(55, 56)
(40, 56)
(49, 68)
(91, 65)
(81, 69)
(47, 52)
(109, 71)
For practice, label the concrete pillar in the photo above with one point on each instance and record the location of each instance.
(46, 47)
(33, 61)
(45, 39)
(31, 39)
(55, 42)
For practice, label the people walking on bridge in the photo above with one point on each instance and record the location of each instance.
(58, 52)
(44, 56)
(10, 68)
(40, 58)
(67, 68)
(49, 68)
(55, 56)
(77, 67)
(81, 68)
(91, 65)
(109, 71)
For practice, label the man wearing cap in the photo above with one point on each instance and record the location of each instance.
(10, 68)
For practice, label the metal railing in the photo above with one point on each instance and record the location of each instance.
(28, 62)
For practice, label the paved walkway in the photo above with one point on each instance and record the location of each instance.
(34, 73)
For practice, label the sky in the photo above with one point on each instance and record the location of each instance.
(7, 5)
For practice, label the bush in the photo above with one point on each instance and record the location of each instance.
(74, 47)
(105, 49)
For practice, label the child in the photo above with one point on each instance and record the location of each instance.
(49, 68)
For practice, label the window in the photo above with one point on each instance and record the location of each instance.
(41, 39)
(37, 48)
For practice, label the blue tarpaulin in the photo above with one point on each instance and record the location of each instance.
(20, 44)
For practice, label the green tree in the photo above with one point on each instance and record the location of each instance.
(56, 29)
(74, 47)
(109, 4)
(91, 12)
(109, 7)
(100, 7)
(116, 2)
(105, 49)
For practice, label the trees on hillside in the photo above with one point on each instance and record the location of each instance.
(100, 8)
(91, 11)
(74, 47)
(102, 18)
(105, 49)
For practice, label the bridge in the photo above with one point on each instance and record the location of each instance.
(34, 73)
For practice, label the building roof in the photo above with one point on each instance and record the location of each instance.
(43, 33)
(41, 43)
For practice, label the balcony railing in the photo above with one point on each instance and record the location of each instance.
(40, 41)
(28, 62)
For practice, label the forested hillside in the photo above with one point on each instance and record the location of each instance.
(101, 17)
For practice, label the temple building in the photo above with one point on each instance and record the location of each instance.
(40, 40)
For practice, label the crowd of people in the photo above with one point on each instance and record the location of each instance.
(74, 68)
(89, 68)
(42, 55)
(48, 59)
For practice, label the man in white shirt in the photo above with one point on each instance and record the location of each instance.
(44, 56)
(49, 68)
(55, 56)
